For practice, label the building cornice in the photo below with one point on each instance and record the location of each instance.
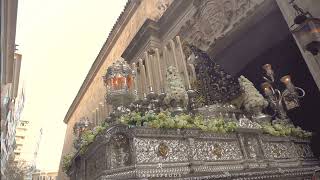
(114, 34)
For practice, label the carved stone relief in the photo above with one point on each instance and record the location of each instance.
(161, 7)
(214, 19)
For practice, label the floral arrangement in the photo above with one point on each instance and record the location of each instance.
(166, 119)
(253, 101)
(86, 138)
(66, 161)
(175, 88)
(281, 129)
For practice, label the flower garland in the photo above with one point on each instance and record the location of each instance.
(182, 121)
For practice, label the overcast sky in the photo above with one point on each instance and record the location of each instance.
(58, 40)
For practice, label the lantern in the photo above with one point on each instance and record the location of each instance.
(119, 83)
(308, 29)
(308, 34)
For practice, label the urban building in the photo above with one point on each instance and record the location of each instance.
(241, 36)
(21, 134)
(12, 97)
(44, 175)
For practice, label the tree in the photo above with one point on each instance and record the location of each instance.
(16, 170)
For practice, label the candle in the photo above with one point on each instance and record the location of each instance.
(267, 88)
(135, 80)
(102, 111)
(286, 80)
(269, 71)
(165, 65)
(143, 76)
(158, 64)
(166, 57)
(193, 76)
(155, 75)
(148, 70)
(173, 49)
(183, 59)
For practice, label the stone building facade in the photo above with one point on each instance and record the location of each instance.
(234, 33)
(12, 98)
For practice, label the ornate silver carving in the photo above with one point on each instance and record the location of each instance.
(246, 123)
(148, 150)
(216, 150)
(279, 150)
(304, 151)
(120, 151)
(162, 6)
(170, 153)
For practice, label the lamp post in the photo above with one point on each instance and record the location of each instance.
(290, 96)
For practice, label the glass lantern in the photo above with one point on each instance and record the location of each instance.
(119, 81)
(308, 34)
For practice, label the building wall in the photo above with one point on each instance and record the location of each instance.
(44, 175)
(95, 93)
(21, 141)
(10, 70)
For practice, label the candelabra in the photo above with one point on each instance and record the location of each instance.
(153, 101)
(79, 127)
(191, 101)
(161, 104)
(289, 97)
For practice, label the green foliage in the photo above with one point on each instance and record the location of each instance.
(218, 125)
(279, 129)
(88, 136)
(16, 170)
(165, 119)
(66, 161)
(133, 118)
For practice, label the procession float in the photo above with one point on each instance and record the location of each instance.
(178, 115)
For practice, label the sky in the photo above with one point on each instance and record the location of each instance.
(59, 40)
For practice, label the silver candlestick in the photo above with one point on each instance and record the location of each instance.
(191, 103)
(289, 97)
